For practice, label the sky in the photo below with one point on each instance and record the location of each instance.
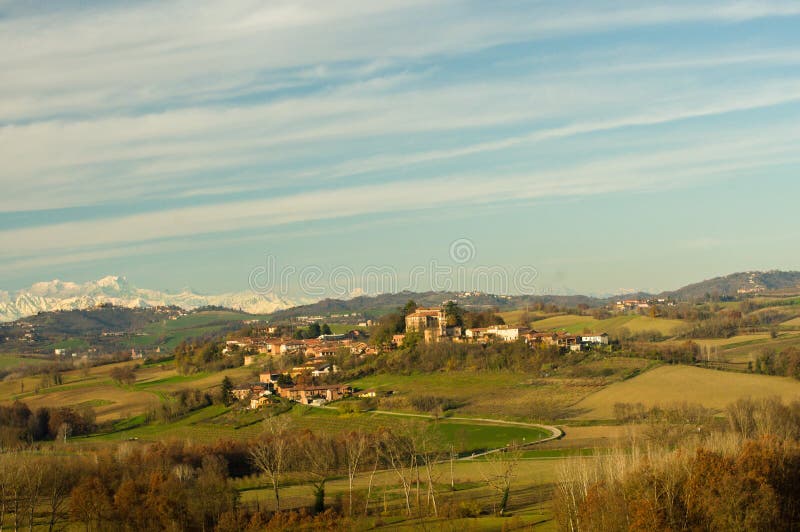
(597, 147)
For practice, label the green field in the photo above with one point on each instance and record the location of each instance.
(169, 333)
(218, 422)
(13, 361)
(470, 436)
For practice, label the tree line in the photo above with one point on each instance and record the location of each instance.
(177, 485)
(745, 476)
(20, 425)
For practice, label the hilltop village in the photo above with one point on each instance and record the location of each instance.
(309, 381)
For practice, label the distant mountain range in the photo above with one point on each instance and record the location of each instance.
(64, 295)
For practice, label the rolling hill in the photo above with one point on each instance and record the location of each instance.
(735, 284)
(110, 329)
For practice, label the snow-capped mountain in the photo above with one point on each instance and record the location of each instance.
(65, 295)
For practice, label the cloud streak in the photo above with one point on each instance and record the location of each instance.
(206, 115)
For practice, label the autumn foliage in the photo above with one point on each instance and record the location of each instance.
(734, 481)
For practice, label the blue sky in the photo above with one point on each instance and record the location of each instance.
(608, 145)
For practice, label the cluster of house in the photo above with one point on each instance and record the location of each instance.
(624, 305)
(296, 383)
(271, 385)
(432, 324)
(321, 347)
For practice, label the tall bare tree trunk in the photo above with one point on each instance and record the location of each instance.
(369, 486)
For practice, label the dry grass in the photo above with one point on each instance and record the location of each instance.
(121, 403)
(502, 394)
(531, 487)
(732, 341)
(670, 384)
(592, 437)
(633, 323)
(110, 401)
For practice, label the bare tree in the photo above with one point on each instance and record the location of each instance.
(398, 450)
(376, 447)
(33, 481)
(60, 477)
(430, 458)
(499, 470)
(321, 453)
(5, 478)
(356, 445)
(14, 487)
(271, 453)
(427, 447)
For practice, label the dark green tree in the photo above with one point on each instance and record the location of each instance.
(225, 391)
(454, 314)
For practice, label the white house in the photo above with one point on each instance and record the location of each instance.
(506, 333)
(594, 338)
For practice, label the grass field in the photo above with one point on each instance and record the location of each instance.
(529, 502)
(503, 394)
(793, 323)
(13, 361)
(169, 333)
(671, 384)
(218, 422)
(117, 402)
(734, 341)
(634, 323)
(512, 317)
(743, 352)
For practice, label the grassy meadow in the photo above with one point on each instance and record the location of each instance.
(505, 394)
(677, 383)
(11, 361)
(169, 333)
(634, 323)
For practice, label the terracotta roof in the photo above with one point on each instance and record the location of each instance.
(317, 388)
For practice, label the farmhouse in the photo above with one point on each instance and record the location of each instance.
(594, 338)
(316, 394)
(268, 378)
(322, 350)
(241, 392)
(506, 333)
(632, 304)
(258, 402)
(332, 337)
(314, 368)
(250, 391)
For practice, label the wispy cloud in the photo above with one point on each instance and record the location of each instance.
(294, 108)
(668, 168)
